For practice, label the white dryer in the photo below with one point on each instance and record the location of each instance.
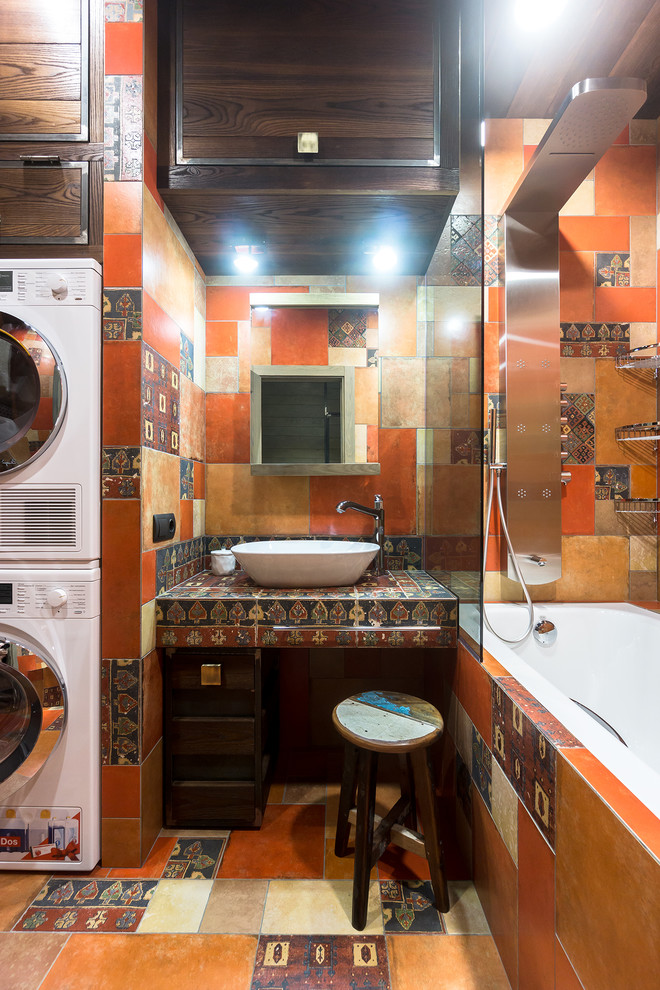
(49, 720)
(50, 411)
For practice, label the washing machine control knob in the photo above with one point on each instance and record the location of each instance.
(56, 597)
(58, 285)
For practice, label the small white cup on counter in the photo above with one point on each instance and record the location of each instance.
(222, 561)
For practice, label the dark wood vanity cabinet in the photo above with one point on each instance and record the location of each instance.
(221, 710)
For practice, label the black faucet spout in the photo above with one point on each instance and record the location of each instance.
(378, 515)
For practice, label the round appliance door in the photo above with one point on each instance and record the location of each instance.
(32, 714)
(32, 393)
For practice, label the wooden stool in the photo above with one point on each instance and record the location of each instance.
(383, 722)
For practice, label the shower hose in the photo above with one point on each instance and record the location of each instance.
(495, 471)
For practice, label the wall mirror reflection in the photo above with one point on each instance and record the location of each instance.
(321, 416)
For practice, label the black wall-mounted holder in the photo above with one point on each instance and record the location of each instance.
(164, 526)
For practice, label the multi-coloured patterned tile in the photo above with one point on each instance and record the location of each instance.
(527, 758)
(332, 961)
(195, 858)
(612, 481)
(88, 905)
(613, 269)
(186, 468)
(122, 114)
(408, 907)
(464, 787)
(179, 562)
(453, 553)
(580, 429)
(122, 314)
(187, 361)
(403, 553)
(481, 770)
(120, 712)
(594, 339)
(551, 727)
(124, 10)
(120, 472)
(466, 446)
(394, 609)
(347, 327)
(160, 402)
(372, 357)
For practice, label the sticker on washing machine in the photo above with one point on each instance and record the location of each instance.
(31, 834)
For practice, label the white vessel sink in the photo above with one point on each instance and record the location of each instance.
(305, 563)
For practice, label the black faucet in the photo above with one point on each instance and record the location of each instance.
(378, 514)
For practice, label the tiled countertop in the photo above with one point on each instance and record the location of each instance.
(398, 608)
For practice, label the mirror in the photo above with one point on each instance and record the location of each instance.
(320, 417)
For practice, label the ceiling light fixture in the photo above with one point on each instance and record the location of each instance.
(384, 258)
(535, 15)
(246, 260)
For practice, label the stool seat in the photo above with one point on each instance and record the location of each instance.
(372, 723)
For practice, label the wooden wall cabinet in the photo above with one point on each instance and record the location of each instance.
(377, 82)
(51, 127)
(221, 709)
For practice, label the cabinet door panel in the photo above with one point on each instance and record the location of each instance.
(44, 204)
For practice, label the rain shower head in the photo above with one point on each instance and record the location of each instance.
(591, 117)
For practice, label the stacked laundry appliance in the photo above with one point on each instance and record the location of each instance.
(50, 548)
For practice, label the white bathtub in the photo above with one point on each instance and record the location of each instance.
(608, 658)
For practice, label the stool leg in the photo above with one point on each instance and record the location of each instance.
(407, 784)
(346, 798)
(424, 782)
(364, 835)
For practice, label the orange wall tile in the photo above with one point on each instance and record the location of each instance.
(192, 433)
(122, 207)
(222, 339)
(536, 906)
(299, 336)
(122, 393)
(185, 519)
(148, 576)
(121, 598)
(199, 480)
(120, 791)
(150, 170)
(123, 48)
(472, 687)
(160, 331)
(578, 500)
(625, 305)
(122, 260)
(594, 233)
(228, 429)
(626, 181)
(168, 270)
(239, 502)
(576, 286)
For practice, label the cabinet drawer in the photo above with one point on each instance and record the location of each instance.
(212, 802)
(190, 696)
(211, 736)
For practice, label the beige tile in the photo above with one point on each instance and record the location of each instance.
(505, 809)
(17, 890)
(235, 907)
(260, 352)
(438, 392)
(355, 357)
(238, 502)
(27, 957)
(608, 522)
(503, 163)
(620, 400)
(361, 443)
(199, 362)
(642, 251)
(176, 906)
(643, 586)
(193, 833)
(303, 907)
(148, 628)
(534, 129)
(402, 399)
(441, 447)
(466, 915)
(199, 517)
(594, 569)
(366, 396)
(579, 374)
(244, 355)
(192, 434)
(642, 334)
(463, 736)
(160, 491)
(643, 553)
(167, 271)
(222, 374)
(425, 446)
(583, 201)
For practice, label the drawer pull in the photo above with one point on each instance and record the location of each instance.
(211, 673)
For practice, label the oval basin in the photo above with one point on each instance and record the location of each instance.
(304, 563)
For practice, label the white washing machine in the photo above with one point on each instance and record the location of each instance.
(50, 411)
(49, 719)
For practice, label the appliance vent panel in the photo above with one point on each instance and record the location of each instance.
(40, 517)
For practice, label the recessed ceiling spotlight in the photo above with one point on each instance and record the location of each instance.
(246, 260)
(384, 258)
(534, 15)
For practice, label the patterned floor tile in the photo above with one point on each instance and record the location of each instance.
(195, 858)
(321, 961)
(408, 907)
(88, 905)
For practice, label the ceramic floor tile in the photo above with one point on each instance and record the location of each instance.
(341, 867)
(26, 958)
(192, 833)
(297, 792)
(176, 906)
(465, 915)
(235, 907)
(458, 962)
(87, 905)
(195, 857)
(17, 891)
(159, 962)
(321, 961)
(289, 845)
(408, 907)
(303, 907)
